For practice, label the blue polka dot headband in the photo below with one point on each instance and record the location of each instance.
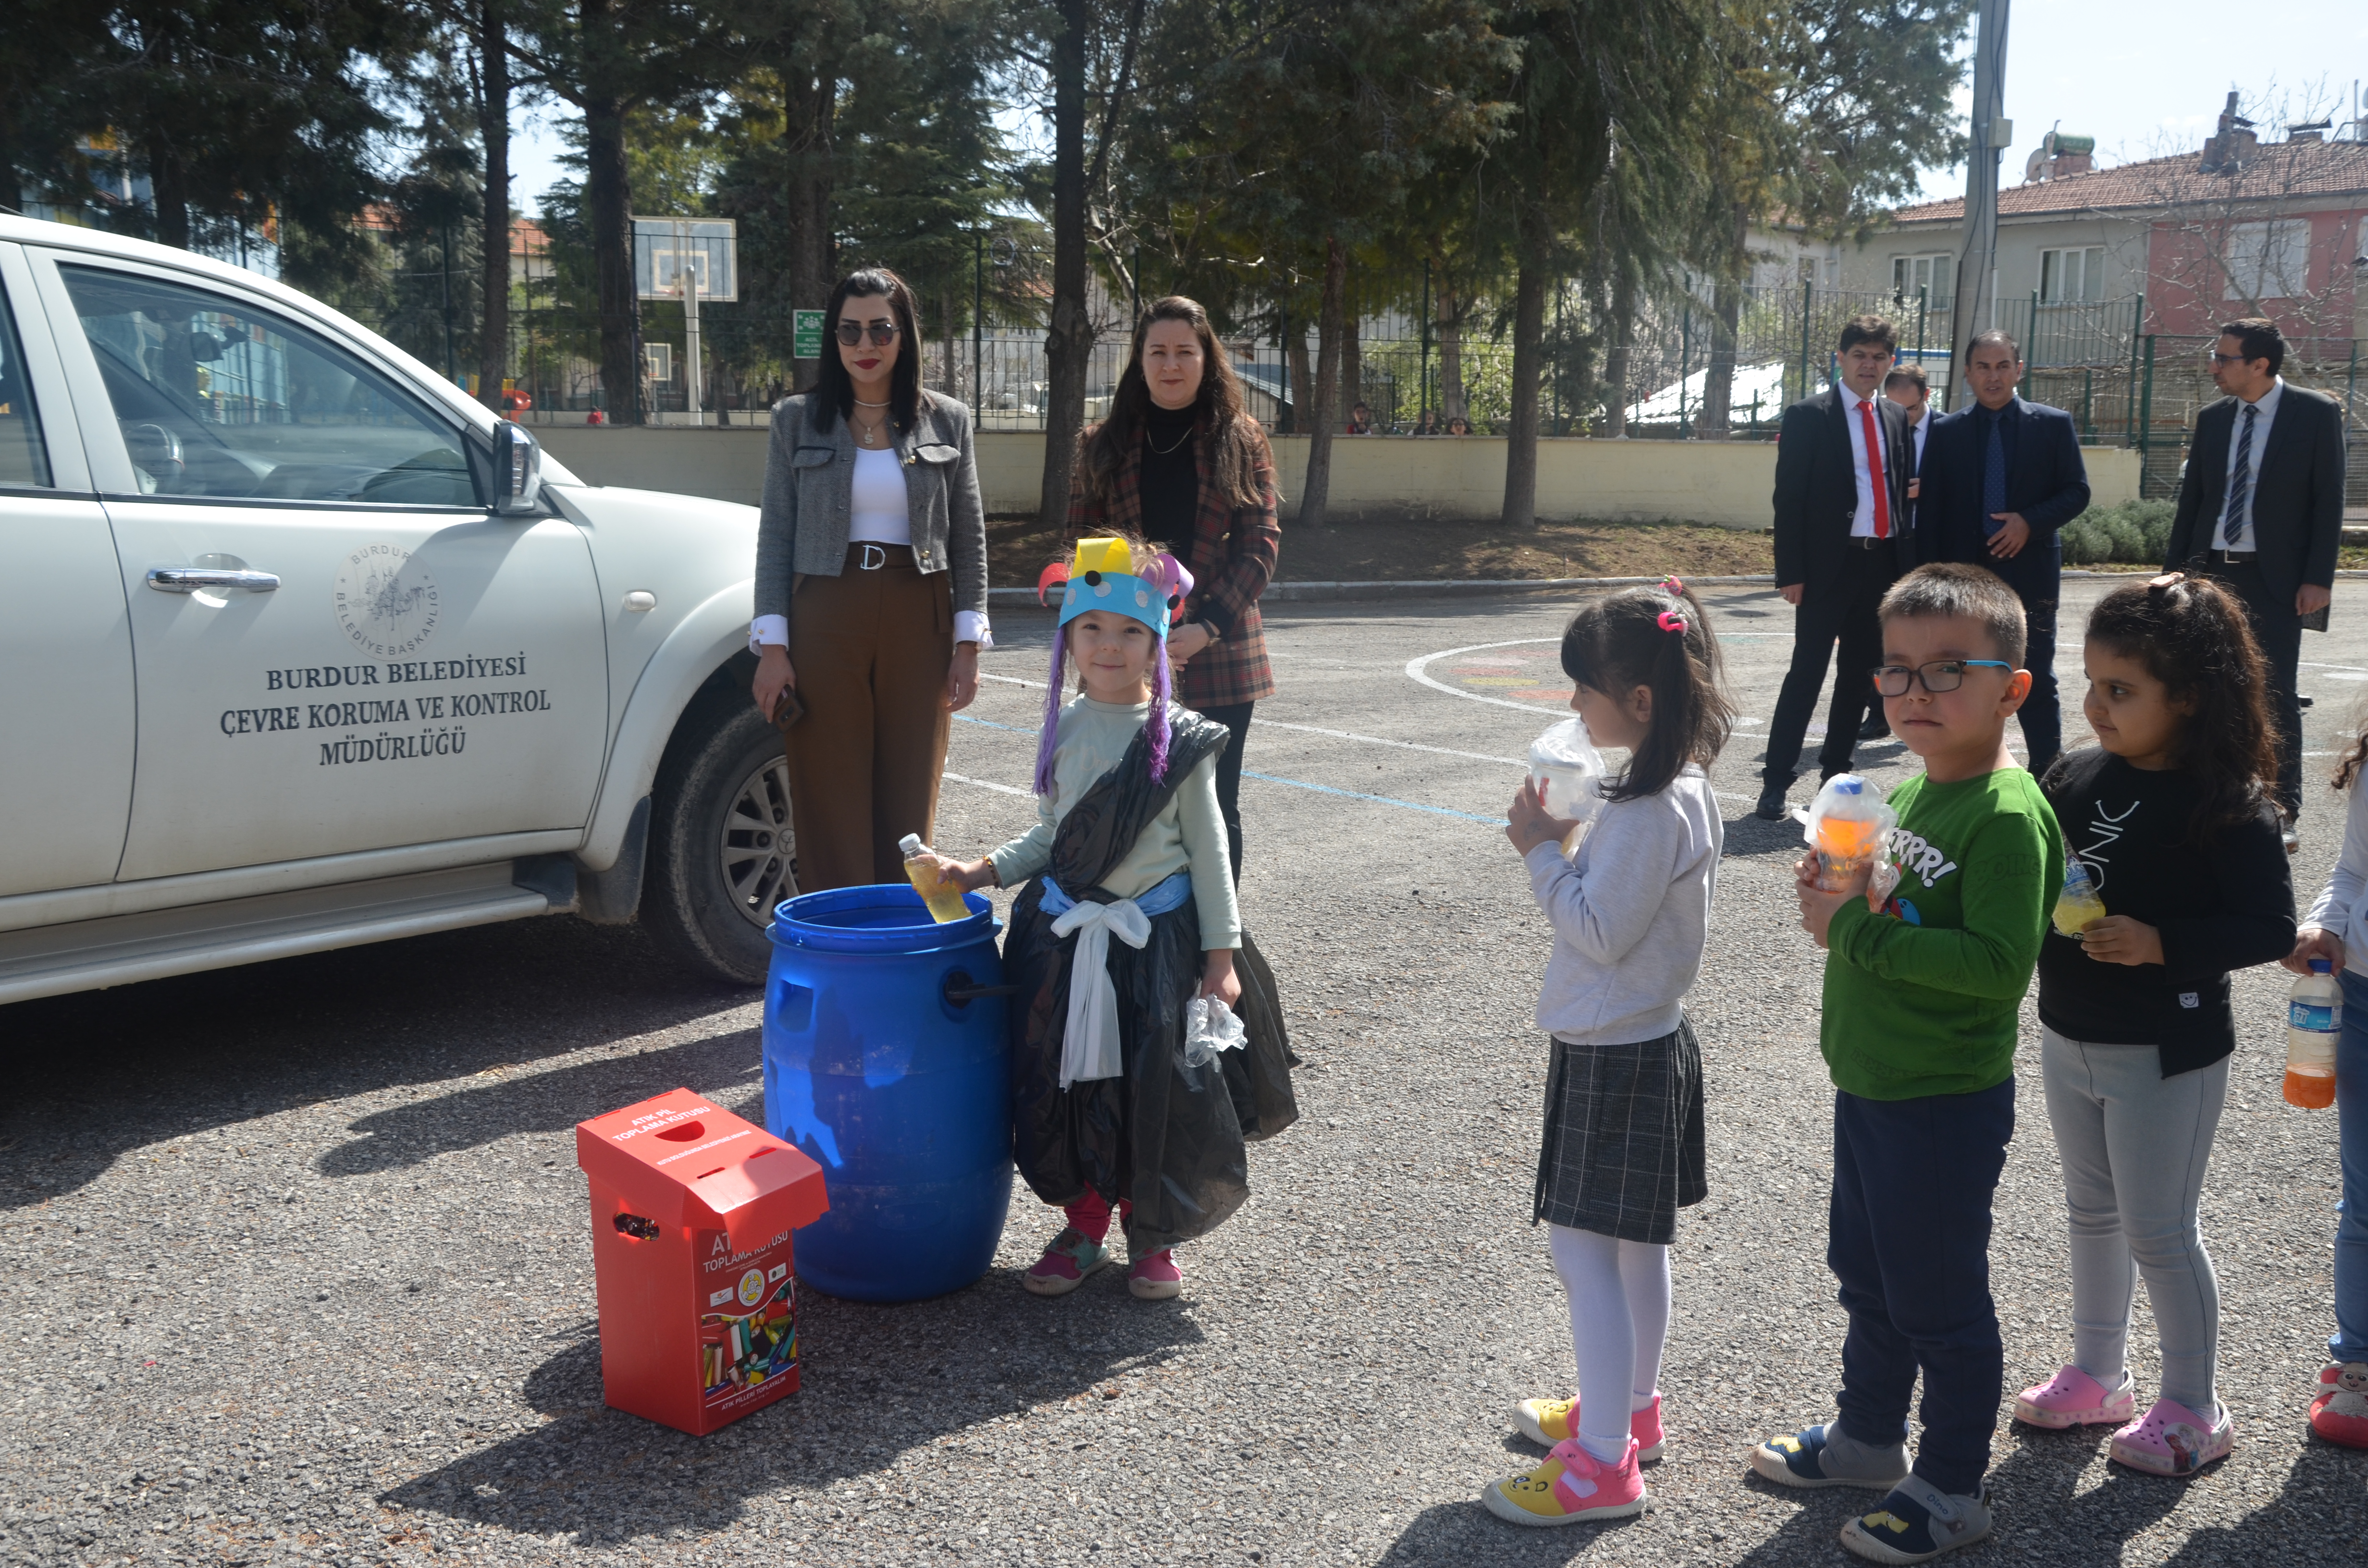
(1104, 576)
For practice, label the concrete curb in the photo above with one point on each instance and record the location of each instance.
(1465, 587)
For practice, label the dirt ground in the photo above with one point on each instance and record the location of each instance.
(1406, 552)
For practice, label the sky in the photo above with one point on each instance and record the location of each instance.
(2136, 74)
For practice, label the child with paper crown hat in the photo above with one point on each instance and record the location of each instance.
(1131, 915)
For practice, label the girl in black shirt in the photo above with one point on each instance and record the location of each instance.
(2172, 814)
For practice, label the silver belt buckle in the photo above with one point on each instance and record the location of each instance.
(872, 559)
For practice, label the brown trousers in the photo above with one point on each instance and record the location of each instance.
(870, 650)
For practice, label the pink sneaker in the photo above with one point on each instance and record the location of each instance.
(2174, 1441)
(1070, 1257)
(1573, 1487)
(1155, 1278)
(2073, 1398)
(1546, 1422)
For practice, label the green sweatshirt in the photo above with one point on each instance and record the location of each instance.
(1922, 999)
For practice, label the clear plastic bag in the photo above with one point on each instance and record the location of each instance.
(1210, 1026)
(1847, 825)
(1569, 772)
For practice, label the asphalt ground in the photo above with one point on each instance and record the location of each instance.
(296, 1269)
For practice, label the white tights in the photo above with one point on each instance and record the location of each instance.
(1619, 1317)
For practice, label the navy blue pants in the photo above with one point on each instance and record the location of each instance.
(1909, 1238)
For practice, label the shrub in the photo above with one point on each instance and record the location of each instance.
(2132, 533)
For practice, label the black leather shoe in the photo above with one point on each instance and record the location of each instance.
(1875, 728)
(1771, 806)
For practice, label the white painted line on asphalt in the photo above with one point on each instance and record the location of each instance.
(1416, 670)
(991, 784)
(1383, 741)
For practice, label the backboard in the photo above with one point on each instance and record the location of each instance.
(664, 247)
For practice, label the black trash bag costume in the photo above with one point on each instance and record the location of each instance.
(1166, 1135)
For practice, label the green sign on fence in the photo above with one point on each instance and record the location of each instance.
(805, 333)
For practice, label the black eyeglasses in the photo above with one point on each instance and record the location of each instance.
(883, 333)
(1940, 675)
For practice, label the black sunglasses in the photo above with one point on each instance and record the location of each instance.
(883, 333)
(1940, 675)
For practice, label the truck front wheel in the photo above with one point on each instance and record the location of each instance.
(722, 853)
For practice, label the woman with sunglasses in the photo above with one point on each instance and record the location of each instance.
(1181, 463)
(871, 589)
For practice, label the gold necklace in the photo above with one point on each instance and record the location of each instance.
(868, 435)
(1165, 451)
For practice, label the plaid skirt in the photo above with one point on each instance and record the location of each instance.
(1623, 1146)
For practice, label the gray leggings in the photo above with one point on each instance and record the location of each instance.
(2134, 1144)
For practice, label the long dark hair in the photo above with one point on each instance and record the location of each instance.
(833, 393)
(2191, 634)
(1659, 638)
(1240, 464)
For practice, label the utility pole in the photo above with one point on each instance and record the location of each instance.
(1991, 133)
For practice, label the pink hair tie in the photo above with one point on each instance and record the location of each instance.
(1670, 586)
(1672, 621)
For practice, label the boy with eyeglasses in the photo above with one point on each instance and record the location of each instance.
(1924, 982)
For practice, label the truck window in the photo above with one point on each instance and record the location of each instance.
(216, 398)
(24, 460)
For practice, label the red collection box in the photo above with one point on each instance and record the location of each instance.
(691, 1213)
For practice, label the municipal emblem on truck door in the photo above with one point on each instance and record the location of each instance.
(386, 600)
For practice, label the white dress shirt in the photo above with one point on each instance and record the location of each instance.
(1921, 429)
(1862, 523)
(879, 513)
(2236, 532)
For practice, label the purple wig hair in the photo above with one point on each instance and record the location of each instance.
(1165, 572)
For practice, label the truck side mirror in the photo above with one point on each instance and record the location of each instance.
(517, 471)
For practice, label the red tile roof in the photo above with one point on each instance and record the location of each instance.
(2281, 170)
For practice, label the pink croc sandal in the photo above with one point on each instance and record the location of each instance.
(2073, 1398)
(2174, 1441)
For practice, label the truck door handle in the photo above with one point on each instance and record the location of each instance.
(189, 579)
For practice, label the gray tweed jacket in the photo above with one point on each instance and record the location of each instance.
(810, 484)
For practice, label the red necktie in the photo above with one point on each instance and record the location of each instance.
(1875, 472)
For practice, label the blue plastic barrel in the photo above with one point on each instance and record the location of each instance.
(901, 1094)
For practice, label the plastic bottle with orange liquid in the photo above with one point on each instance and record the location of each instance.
(944, 899)
(2313, 1019)
(1847, 823)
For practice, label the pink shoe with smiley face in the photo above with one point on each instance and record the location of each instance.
(2340, 1413)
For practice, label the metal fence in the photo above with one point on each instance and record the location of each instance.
(2123, 386)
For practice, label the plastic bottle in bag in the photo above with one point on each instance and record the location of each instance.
(2079, 905)
(1848, 823)
(2313, 1019)
(1569, 773)
(944, 899)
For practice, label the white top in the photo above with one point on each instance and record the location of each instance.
(2339, 907)
(2236, 533)
(1188, 834)
(1630, 915)
(1863, 521)
(878, 513)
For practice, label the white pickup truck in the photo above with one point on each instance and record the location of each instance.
(309, 649)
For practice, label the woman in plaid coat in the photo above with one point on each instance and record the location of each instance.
(1180, 462)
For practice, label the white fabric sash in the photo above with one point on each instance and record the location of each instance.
(1089, 1045)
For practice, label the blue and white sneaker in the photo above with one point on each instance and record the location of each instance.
(1823, 1456)
(1917, 1523)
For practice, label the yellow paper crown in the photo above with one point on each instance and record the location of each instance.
(1110, 557)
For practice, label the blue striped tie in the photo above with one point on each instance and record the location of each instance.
(2240, 483)
(1994, 477)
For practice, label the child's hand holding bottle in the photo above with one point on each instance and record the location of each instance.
(1812, 881)
(2313, 943)
(1529, 824)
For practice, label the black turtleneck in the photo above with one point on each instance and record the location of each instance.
(1172, 479)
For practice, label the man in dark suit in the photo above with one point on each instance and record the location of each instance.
(1842, 468)
(1999, 479)
(2262, 509)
